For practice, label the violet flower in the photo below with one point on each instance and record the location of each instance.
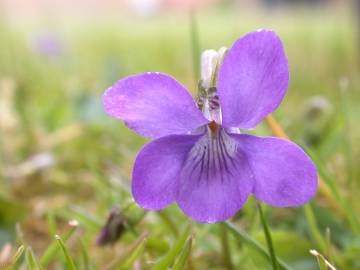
(200, 160)
(48, 45)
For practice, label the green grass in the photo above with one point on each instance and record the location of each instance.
(54, 108)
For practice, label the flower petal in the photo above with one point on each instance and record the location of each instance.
(284, 174)
(215, 181)
(153, 105)
(253, 79)
(157, 169)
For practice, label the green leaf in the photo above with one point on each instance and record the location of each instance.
(69, 260)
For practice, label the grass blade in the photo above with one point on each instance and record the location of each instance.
(137, 251)
(69, 260)
(195, 44)
(344, 85)
(323, 263)
(169, 222)
(85, 256)
(12, 263)
(83, 217)
(17, 254)
(225, 247)
(181, 262)
(268, 238)
(51, 220)
(31, 261)
(249, 241)
(170, 257)
(345, 205)
(52, 250)
(127, 258)
(314, 230)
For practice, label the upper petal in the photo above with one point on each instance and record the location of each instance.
(284, 174)
(253, 79)
(157, 169)
(153, 105)
(215, 180)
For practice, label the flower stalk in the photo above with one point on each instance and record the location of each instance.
(226, 247)
(195, 44)
(268, 238)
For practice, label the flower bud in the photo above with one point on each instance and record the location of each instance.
(113, 229)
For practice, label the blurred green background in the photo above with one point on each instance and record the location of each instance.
(63, 159)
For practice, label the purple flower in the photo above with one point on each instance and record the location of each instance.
(199, 160)
(47, 44)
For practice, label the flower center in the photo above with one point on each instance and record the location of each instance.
(212, 158)
(208, 100)
(214, 127)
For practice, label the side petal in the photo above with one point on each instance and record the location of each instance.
(157, 168)
(153, 104)
(253, 79)
(215, 180)
(284, 174)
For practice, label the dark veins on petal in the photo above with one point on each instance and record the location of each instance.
(213, 157)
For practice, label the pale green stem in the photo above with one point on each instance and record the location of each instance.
(226, 247)
(195, 44)
(268, 239)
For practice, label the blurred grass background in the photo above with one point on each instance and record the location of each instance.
(63, 159)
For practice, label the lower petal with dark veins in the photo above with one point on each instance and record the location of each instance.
(215, 180)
